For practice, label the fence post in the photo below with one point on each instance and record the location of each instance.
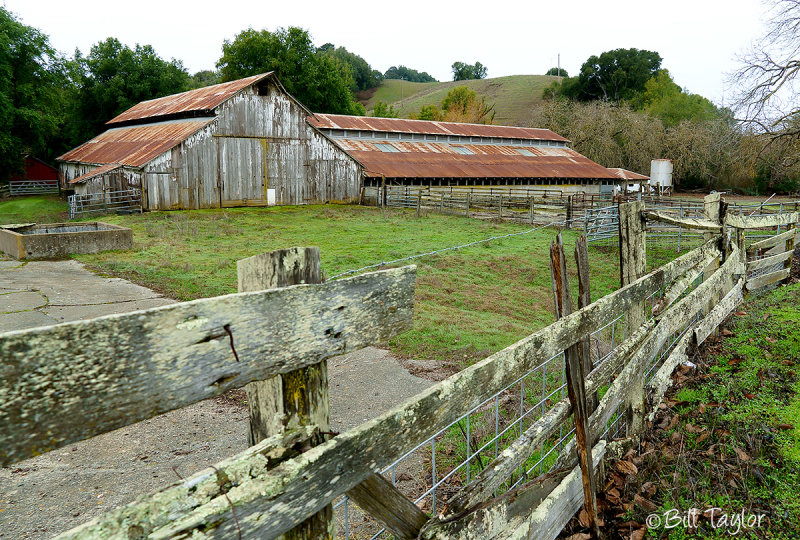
(500, 208)
(299, 397)
(419, 202)
(568, 221)
(584, 299)
(789, 247)
(533, 205)
(466, 210)
(711, 211)
(632, 266)
(576, 389)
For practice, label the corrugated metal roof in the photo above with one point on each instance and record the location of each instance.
(625, 174)
(194, 101)
(96, 172)
(399, 125)
(134, 145)
(440, 160)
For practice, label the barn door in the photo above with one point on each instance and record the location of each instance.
(242, 171)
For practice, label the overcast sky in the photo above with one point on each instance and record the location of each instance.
(698, 39)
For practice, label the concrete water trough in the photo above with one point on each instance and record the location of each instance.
(34, 241)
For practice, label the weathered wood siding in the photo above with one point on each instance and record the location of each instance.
(260, 141)
(265, 127)
(127, 178)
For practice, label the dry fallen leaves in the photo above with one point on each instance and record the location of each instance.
(744, 456)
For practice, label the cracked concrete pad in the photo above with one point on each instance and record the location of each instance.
(21, 301)
(24, 320)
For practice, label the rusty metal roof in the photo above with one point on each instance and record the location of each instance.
(134, 145)
(625, 174)
(96, 172)
(203, 100)
(442, 160)
(400, 125)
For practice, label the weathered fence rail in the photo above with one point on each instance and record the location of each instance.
(105, 373)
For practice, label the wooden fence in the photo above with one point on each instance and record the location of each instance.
(69, 382)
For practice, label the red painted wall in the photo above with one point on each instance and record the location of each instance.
(36, 170)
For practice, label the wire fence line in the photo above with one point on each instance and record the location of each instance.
(437, 251)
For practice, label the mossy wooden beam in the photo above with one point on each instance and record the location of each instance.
(65, 383)
(760, 222)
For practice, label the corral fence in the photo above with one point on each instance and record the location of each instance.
(32, 187)
(512, 442)
(129, 200)
(525, 205)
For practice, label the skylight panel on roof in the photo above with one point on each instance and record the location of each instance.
(385, 147)
(463, 150)
(525, 152)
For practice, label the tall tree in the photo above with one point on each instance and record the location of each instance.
(769, 95)
(31, 93)
(465, 72)
(319, 80)
(364, 76)
(113, 78)
(666, 100)
(614, 75)
(204, 78)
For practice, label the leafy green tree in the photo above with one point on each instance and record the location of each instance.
(383, 110)
(316, 78)
(364, 77)
(614, 75)
(666, 100)
(113, 78)
(557, 72)
(204, 78)
(465, 72)
(32, 90)
(461, 104)
(429, 112)
(407, 74)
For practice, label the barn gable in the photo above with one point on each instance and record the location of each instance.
(242, 143)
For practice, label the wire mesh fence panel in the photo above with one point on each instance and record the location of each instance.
(104, 203)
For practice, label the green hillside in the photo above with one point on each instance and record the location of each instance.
(513, 96)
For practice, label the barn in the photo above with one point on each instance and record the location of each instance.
(439, 156)
(240, 143)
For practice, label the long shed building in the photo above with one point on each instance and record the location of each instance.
(398, 152)
(241, 143)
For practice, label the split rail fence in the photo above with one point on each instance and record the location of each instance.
(69, 382)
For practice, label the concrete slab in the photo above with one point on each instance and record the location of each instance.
(26, 319)
(367, 383)
(21, 301)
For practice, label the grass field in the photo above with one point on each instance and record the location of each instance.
(512, 96)
(469, 303)
(39, 209)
